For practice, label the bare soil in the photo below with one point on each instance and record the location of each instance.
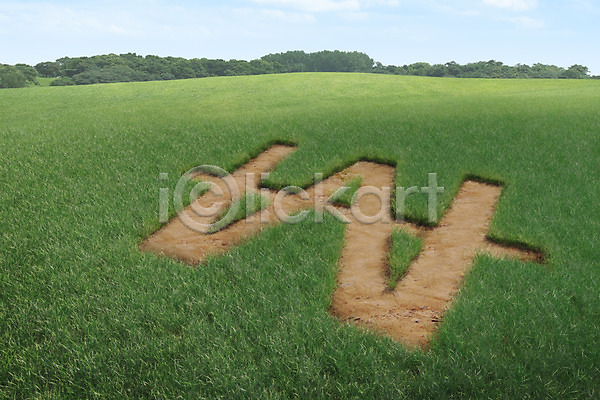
(177, 240)
(412, 311)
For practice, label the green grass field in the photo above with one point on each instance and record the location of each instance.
(84, 314)
(44, 82)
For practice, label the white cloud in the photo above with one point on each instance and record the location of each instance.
(82, 22)
(389, 3)
(329, 5)
(516, 5)
(355, 16)
(586, 6)
(270, 15)
(469, 13)
(444, 8)
(47, 18)
(314, 5)
(526, 22)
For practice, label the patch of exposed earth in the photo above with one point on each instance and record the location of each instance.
(411, 312)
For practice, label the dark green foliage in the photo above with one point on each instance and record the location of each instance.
(48, 69)
(17, 76)
(322, 61)
(28, 72)
(131, 67)
(485, 69)
(577, 72)
(11, 77)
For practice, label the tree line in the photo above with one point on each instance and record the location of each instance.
(16, 76)
(131, 67)
(487, 69)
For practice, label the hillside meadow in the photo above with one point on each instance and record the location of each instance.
(85, 314)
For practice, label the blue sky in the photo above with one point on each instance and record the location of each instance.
(391, 31)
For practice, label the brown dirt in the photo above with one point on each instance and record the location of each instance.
(411, 312)
(176, 239)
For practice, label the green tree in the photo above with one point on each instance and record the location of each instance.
(196, 65)
(216, 67)
(419, 68)
(132, 67)
(28, 72)
(11, 77)
(546, 71)
(322, 61)
(181, 68)
(576, 71)
(453, 68)
(48, 69)
(437, 70)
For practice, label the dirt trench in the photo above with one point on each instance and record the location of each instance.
(411, 312)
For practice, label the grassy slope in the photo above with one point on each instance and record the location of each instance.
(84, 314)
(45, 81)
